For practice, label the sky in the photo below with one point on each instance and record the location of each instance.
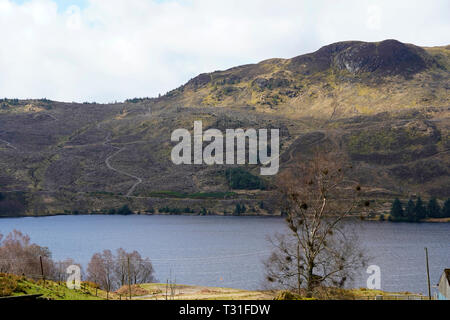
(111, 50)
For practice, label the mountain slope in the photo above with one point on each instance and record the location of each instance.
(339, 80)
(386, 104)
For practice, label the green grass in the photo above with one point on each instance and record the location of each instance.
(13, 285)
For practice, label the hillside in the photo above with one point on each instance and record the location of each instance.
(16, 286)
(13, 286)
(386, 104)
(339, 80)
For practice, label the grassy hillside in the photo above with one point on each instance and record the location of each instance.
(340, 80)
(386, 104)
(11, 285)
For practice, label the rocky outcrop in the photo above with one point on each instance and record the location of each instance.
(388, 57)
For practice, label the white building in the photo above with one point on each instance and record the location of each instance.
(444, 286)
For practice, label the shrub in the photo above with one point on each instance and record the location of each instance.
(125, 210)
(8, 284)
(240, 179)
(136, 290)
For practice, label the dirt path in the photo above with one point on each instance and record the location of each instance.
(8, 144)
(107, 142)
(52, 116)
(186, 292)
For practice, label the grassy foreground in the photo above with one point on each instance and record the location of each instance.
(12, 285)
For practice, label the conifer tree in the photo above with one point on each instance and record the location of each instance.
(420, 210)
(446, 209)
(433, 209)
(237, 210)
(396, 210)
(410, 210)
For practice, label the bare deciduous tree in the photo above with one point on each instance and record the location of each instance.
(121, 268)
(141, 270)
(316, 251)
(101, 270)
(112, 272)
(21, 257)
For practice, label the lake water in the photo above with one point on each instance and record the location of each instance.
(228, 251)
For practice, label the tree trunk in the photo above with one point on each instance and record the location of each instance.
(310, 281)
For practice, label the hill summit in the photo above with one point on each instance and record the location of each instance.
(389, 57)
(338, 80)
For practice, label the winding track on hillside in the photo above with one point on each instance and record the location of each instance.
(52, 116)
(107, 142)
(9, 144)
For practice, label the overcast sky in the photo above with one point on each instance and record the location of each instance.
(107, 50)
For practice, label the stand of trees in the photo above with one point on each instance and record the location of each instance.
(241, 179)
(124, 211)
(418, 211)
(175, 211)
(19, 256)
(239, 209)
(111, 272)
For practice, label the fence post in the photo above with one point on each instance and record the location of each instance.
(42, 269)
(428, 274)
(129, 280)
(167, 285)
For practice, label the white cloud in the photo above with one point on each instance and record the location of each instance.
(73, 20)
(113, 49)
(373, 17)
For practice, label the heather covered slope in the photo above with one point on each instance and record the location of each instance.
(339, 80)
(386, 104)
